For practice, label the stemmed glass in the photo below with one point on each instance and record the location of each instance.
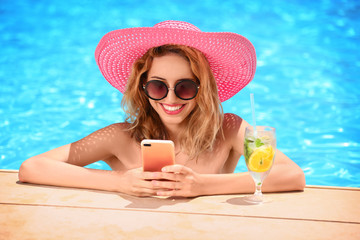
(259, 147)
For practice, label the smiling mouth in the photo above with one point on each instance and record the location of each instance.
(172, 108)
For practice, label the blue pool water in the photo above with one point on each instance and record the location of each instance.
(306, 84)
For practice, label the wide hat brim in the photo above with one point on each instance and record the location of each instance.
(231, 56)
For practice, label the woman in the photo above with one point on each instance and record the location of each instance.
(174, 78)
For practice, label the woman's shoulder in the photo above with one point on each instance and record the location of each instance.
(233, 126)
(231, 122)
(234, 131)
(111, 133)
(120, 126)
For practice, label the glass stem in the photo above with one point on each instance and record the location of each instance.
(258, 189)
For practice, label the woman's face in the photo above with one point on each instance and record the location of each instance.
(171, 69)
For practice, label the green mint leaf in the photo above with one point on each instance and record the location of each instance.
(248, 150)
(258, 142)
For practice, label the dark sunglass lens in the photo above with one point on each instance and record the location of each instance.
(186, 90)
(156, 89)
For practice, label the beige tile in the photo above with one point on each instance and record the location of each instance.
(19, 222)
(327, 204)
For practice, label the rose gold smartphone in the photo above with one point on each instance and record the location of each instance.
(157, 154)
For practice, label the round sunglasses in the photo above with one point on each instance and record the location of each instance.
(184, 89)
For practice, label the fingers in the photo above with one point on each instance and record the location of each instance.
(171, 193)
(166, 185)
(137, 183)
(177, 168)
(146, 188)
(144, 192)
(170, 176)
(172, 181)
(163, 183)
(172, 173)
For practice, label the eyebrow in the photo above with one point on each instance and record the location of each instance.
(164, 79)
(159, 78)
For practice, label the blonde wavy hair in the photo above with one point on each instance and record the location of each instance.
(204, 123)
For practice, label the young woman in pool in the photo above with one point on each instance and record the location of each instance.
(174, 78)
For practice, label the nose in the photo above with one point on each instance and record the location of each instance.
(171, 94)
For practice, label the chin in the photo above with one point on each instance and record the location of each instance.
(172, 121)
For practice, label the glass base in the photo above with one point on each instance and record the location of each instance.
(256, 199)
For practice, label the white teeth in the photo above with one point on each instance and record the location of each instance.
(170, 108)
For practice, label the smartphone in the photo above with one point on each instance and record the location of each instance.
(156, 154)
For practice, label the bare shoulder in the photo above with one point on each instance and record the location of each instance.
(232, 124)
(119, 132)
(101, 144)
(234, 130)
(115, 129)
(110, 134)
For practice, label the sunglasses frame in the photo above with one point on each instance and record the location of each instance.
(174, 88)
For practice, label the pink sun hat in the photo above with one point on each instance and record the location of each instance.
(231, 56)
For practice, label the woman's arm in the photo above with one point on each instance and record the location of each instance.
(48, 171)
(184, 182)
(63, 166)
(285, 174)
(53, 168)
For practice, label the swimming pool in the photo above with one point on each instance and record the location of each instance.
(306, 84)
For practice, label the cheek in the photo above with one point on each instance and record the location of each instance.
(192, 105)
(152, 104)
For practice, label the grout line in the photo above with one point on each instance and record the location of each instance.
(188, 213)
(332, 188)
(8, 171)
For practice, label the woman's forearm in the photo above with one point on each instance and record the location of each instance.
(227, 183)
(280, 179)
(57, 173)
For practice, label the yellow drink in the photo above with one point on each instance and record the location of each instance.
(259, 152)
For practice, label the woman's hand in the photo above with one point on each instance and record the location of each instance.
(138, 183)
(177, 180)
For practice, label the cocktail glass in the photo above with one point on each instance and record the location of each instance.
(259, 147)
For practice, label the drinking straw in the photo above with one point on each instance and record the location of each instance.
(253, 112)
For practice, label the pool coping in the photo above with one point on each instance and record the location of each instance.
(316, 213)
(307, 186)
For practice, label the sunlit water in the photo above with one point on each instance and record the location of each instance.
(306, 84)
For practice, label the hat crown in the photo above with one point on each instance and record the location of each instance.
(177, 25)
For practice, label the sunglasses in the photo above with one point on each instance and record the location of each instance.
(184, 89)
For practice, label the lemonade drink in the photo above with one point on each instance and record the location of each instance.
(259, 152)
